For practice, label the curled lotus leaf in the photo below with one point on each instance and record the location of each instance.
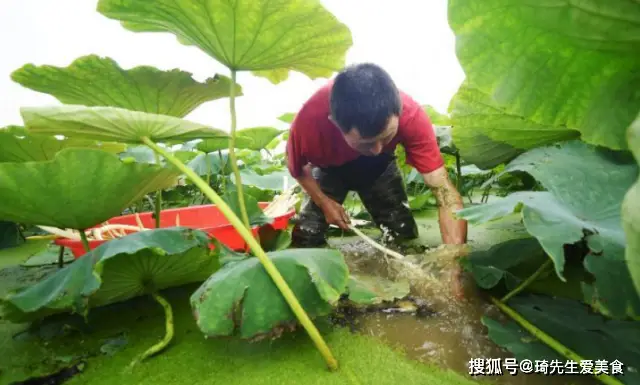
(568, 213)
(100, 81)
(268, 37)
(78, 188)
(138, 264)
(563, 64)
(241, 299)
(112, 124)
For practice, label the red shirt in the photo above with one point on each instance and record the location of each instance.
(314, 139)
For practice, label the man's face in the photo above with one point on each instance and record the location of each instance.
(372, 146)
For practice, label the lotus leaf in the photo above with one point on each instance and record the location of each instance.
(10, 235)
(216, 144)
(260, 137)
(112, 124)
(241, 299)
(437, 118)
(593, 337)
(569, 213)
(271, 181)
(17, 145)
(254, 212)
(18, 254)
(78, 188)
(99, 81)
(272, 239)
(123, 268)
(287, 118)
(631, 211)
(482, 151)
(371, 290)
(264, 36)
(562, 64)
(141, 154)
(491, 266)
(211, 164)
(478, 122)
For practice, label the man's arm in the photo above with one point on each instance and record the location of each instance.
(449, 200)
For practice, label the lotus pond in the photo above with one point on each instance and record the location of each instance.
(542, 139)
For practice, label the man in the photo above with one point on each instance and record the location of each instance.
(343, 139)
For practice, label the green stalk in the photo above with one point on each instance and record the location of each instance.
(246, 234)
(158, 205)
(168, 336)
(232, 153)
(85, 241)
(527, 281)
(458, 171)
(550, 341)
(61, 257)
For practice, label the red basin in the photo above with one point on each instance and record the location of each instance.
(205, 217)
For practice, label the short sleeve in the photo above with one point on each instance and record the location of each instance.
(420, 143)
(295, 155)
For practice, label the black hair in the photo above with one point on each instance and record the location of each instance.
(364, 96)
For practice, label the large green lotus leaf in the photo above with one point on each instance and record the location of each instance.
(217, 144)
(153, 260)
(474, 110)
(10, 235)
(112, 124)
(17, 145)
(568, 213)
(506, 265)
(211, 164)
(631, 211)
(242, 299)
(480, 150)
(18, 254)
(487, 135)
(287, 117)
(254, 212)
(490, 267)
(555, 62)
(117, 270)
(372, 290)
(269, 37)
(436, 117)
(569, 322)
(271, 181)
(260, 137)
(78, 189)
(67, 290)
(99, 81)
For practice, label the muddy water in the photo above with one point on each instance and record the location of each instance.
(454, 334)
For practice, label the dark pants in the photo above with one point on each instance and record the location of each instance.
(377, 181)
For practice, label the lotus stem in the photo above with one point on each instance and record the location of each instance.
(158, 205)
(61, 257)
(458, 171)
(373, 243)
(168, 336)
(253, 244)
(232, 153)
(85, 241)
(527, 281)
(43, 237)
(549, 341)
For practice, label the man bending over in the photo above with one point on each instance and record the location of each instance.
(343, 139)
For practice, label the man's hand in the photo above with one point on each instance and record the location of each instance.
(334, 213)
(449, 200)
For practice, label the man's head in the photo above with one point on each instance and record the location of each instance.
(366, 106)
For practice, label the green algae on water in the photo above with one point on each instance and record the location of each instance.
(191, 359)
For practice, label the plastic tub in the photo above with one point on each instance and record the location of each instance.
(205, 217)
